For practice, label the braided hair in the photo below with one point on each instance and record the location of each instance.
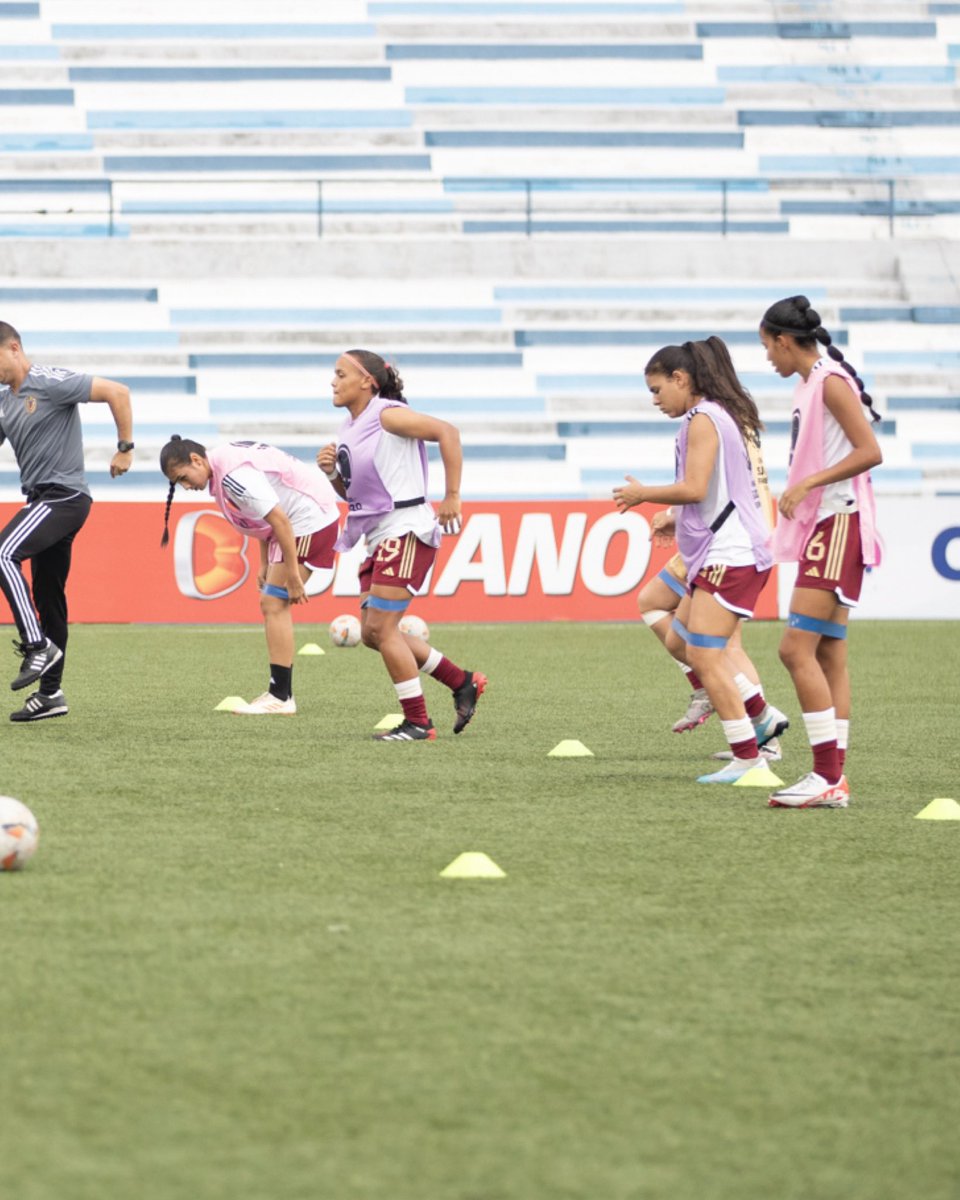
(712, 375)
(174, 454)
(795, 317)
(389, 384)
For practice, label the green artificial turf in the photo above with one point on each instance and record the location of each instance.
(233, 970)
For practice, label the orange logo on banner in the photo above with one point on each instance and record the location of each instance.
(209, 556)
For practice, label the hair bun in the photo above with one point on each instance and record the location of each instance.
(801, 303)
(175, 437)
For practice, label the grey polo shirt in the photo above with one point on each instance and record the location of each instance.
(42, 423)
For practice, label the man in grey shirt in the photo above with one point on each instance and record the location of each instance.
(40, 419)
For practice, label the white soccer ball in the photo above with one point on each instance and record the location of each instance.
(345, 630)
(19, 834)
(415, 626)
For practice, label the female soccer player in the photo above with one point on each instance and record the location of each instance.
(828, 525)
(720, 528)
(292, 511)
(379, 465)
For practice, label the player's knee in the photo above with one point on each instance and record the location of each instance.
(270, 606)
(370, 636)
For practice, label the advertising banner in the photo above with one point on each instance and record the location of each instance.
(513, 561)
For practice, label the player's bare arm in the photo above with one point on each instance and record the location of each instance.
(405, 422)
(117, 397)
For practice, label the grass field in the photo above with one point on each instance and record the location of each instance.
(233, 970)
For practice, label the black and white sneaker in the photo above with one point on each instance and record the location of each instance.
(37, 660)
(38, 707)
(406, 731)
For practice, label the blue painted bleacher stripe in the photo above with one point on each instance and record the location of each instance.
(819, 30)
(848, 118)
(690, 292)
(206, 432)
(836, 73)
(286, 206)
(849, 164)
(943, 10)
(45, 141)
(953, 52)
(588, 184)
(292, 32)
(919, 358)
(222, 407)
(939, 314)
(333, 316)
(551, 451)
(30, 96)
(86, 295)
(456, 8)
(153, 338)
(19, 11)
(869, 208)
(46, 229)
(55, 185)
(29, 52)
(921, 403)
(452, 94)
(613, 477)
(550, 137)
(184, 385)
(261, 118)
(600, 226)
(266, 162)
(635, 384)
(518, 50)
(414, 358)
(664, 426)
(641, 337)
(220, 74)
(935, 450)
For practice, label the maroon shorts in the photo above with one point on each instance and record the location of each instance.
(314, 549)
(736, 588)
(832, 559)
(397, 562)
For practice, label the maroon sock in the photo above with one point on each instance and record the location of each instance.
(747, 749)
(449, 673)
(415, 710)
(842, 756)
(694, 679)
(755, 705)
(826, 761)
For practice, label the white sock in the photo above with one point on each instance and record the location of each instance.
(843, 734)
(433, 661)
(746, 688)
(740, 730)
(821, 726)
(408, 689)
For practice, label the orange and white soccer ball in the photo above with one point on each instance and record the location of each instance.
(345, 630)
(415, 627)
(19, 834)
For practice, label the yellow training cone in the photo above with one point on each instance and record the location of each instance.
(390, 721)
(229, 704)
(760, 776)
(473, 865)
(311, 648)
(940, 810)
(570, 748)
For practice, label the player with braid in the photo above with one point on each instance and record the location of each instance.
(720, 528)
(291, 510)
(828, 526)
(379, 465)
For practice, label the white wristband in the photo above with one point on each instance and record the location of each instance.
(331, 475)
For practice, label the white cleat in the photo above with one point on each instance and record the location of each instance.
(734, 770)
(699, 709)
(812, 791)
(267, 705)
(771, 752)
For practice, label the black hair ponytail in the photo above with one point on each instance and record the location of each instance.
(174, 454)
(385, 376)
(796, 317)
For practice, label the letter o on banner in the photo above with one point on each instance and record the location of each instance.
(593, 556)
(938, 552)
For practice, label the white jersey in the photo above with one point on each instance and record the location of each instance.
(255, 493)
(837, 497)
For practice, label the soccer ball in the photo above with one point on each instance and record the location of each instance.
(345, 630)
(415, 626)
(19, 834)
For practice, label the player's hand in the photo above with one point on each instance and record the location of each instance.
(449, 515)
(628, 496)
(663, 528)
(296, 592)
(792, 498)
(120, 463)
(327, 458)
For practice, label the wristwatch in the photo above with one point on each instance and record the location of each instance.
(123, 447)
